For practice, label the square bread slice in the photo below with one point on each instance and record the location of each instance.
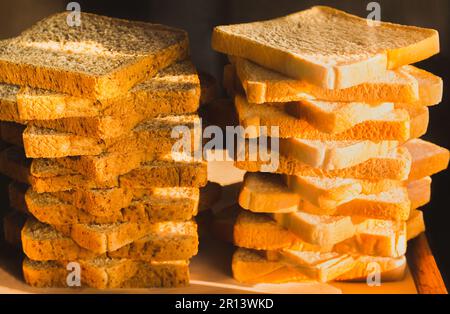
(159, 204)
(419, 192)
(165, 241)
(394, 125)
(173, 90)
(429, 158)
(393, 166)
(108, 273)
(337, 117)
(407, 84)
(149, 136)
(102, 58)
(49, 176)
(303, 45)
(385, 199)
(415, 224)
(320, 230)
(372, 237)
(253, 267)
(331, 155)
(322, 267)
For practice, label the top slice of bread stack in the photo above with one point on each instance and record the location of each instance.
(89, 111)
(344, 109)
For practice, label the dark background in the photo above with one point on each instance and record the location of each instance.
(199, 17)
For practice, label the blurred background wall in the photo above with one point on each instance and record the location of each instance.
(199, 17)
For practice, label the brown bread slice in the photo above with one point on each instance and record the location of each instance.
(154, 135)
(161, 204)
(304, 45)
(168, 241)
(49, 176)
(109, 273)
(102, 58)
(174, 90)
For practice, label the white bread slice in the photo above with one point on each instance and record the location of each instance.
(322, 267)
(386, 237)
(394, 166)
(406, 84)
(415, 224)
(320, 230)
(252, 267)
(392, 204)
(394, 125)
(419, 192)
(430, 86)
(337, 117)
(102, 58)
(266, 193)
(428, 158)
(391, 268)
(331, 155)
(373, 236)
(303, 45)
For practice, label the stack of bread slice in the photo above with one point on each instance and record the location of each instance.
(89, 113)
(344, 110)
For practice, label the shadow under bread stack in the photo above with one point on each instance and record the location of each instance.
(348, 110)
(89, 114)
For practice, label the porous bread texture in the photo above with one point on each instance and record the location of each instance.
(331, 155)
(428, 157)
(303, 45)
(47, 175)
(415, 224)
(419, 192)
(174, 90)
(157, 205)
(166, 241)
(151, 136)
(372, 237)
(318, 230)
(395, 166)
(253, 267)
(102, 58)
(266, 193)
(407, 84)
(337, 117)
(394, 125)
(109, 273)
